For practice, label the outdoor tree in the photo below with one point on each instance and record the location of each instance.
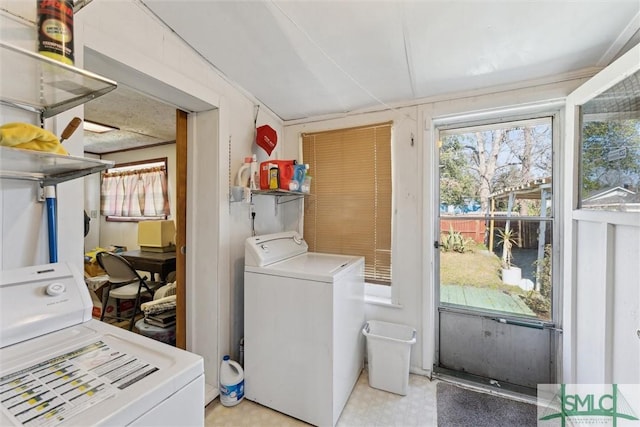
(485, 155)
(456, 183)
(531, 158)
(601, 170)
(476, 164)
(469, 163)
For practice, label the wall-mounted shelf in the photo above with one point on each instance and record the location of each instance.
(39, 84)
(289, 196)
(36, 83)
(47, 168)
(281, 196)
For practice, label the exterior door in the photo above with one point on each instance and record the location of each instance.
(495, 222)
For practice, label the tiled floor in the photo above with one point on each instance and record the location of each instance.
(366, 407)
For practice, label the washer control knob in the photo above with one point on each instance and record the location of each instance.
(55, 289)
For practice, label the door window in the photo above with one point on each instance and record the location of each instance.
(610, 149)
(497, 218)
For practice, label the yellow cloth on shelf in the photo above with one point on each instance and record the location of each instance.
(29, 137)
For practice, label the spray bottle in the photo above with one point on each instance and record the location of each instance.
(254, 180)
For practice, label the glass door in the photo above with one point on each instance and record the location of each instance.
(496, 252)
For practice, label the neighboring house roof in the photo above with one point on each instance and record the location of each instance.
(615, 198)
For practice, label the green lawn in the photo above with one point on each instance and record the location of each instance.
(473, 278)
(478, 267)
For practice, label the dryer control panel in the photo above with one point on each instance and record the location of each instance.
(40, 299)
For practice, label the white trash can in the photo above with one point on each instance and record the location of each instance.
(388, 355)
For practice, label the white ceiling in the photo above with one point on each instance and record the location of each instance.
(317, 57)
(308, 58)
(141, 121)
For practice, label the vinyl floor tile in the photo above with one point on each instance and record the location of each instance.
(366, 407)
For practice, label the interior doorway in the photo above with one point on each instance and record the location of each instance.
(145, 111)
(206, 206)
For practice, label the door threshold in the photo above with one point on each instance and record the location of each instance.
(487, 385)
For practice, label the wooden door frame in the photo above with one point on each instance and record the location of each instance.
(181, 228)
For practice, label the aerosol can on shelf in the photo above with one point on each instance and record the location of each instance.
(231, 382)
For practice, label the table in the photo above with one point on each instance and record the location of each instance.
(162, 263)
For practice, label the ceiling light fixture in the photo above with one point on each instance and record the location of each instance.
(98, 127)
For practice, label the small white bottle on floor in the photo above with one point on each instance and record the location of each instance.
(231, 382)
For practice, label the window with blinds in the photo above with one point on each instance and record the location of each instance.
(350, 211)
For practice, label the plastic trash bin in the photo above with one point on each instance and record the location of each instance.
(388, 355)
(165, 335)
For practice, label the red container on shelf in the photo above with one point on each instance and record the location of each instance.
(286, 171)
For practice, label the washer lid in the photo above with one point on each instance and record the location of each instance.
(90, 374)
(312, 266)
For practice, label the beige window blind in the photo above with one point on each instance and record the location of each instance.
(350, 211)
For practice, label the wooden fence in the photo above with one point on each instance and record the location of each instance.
(469, 228)
(476, 229)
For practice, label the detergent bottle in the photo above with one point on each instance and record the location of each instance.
(246, 167)
(299, 172)
(231, 382)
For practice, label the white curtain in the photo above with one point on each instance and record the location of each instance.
(139, 193)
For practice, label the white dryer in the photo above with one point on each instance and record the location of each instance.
(303, 316)
(60, 367)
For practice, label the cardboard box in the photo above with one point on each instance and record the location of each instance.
(156, 234)
(92, 269)
(91, 266)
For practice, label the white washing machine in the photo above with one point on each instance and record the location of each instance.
(60, 367)
(303, 316)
